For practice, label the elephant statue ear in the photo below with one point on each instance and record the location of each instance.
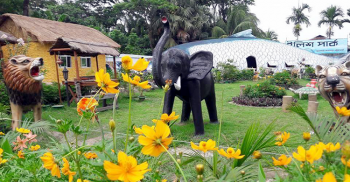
(200, 65)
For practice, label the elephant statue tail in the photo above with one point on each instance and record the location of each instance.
(157, 54)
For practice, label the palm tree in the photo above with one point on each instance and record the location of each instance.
(270, 35)
(330, 17)
(240, 18)
(298, 18)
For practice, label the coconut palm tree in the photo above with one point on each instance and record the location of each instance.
(298, 18)
(330, 17)
(270, 35)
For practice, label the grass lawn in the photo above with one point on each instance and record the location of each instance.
(236, 119)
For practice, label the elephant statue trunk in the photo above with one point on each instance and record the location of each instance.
(157, 54)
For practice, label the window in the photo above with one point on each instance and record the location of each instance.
(66, 61)
(85, 62)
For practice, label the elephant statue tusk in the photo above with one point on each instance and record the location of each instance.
(178, 83)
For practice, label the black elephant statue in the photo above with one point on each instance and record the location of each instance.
(192, 80)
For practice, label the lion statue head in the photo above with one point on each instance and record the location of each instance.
(23, 79)
(334, 84)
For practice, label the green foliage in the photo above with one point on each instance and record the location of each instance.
(50, 93)
(5, 100)
(283, 79)
(310, 72)
(227, 72)
(217, 32)
(264, 89)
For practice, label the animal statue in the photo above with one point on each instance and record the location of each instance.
(192, 80)
(296, 73)
(23, 79)
(334, 85)
(256, 76)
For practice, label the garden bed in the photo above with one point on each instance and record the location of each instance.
(258, 102)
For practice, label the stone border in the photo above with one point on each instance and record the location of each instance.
(270, 107)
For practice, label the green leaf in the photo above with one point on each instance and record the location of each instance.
(7, 148)
(261, 173)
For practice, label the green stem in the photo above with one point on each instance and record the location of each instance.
(87, 130)
(114, 105)
(294, 163)
(161, 105)
(114, 141)
(222, 109)
(346, 170)
(65, 137)
(107, 155)
(129, 119)
(70, 153)
(177, 164)
(79, 170)
(93, 97)
(103, 135)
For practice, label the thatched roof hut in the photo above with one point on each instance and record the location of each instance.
(9, 38)
(47, 31)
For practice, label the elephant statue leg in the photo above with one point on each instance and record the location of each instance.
(211, 106)
(195, 101)
(169, 101)
(186, 111)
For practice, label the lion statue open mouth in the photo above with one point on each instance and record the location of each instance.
(23, 81)
(334, 84)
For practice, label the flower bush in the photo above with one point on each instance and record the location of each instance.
(285, 80)
(264, 89)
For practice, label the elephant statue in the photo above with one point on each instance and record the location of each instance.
(192, 80)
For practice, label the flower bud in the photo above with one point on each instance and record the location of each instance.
(346, 149)
(112, 125)
(242, 172)
(257, 155)
(157, 171)
(180, 154)
(178, 161)
(306, 136)
(59, 121)
(321, 168)
(200, 169)
(102, 94)
(200, 177)
(159, 162)
(131, 139)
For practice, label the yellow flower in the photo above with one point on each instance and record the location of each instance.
(79, 152)
(1, 151)
(231, 153)
(257, 84)
(279, 88)
(311, 155)
(2, 133)
(20, 154)
(330, 147)
(66, 171)
(138, 130)
(140, 64)
(205, 146)
(345, 150)
(50, 164)
(328, 177)
(127, 62)
(155, 140)
(283, 160)
(343, 111)
(2, 161)
(34, 148)
(257, 155)
(136, 81)
(113, 151)
(127, 169)
(163, 180)
(22, 130)
(104, 81)
(86, 104)
(167, 118)
(306, 136)
(79, 180)
(90, 155)
(347, 178)
(281, 139)
(344, 161)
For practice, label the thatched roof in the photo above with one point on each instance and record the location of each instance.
(48, 31)
(10, 38)
(84, 48)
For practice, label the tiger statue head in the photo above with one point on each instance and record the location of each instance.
(334, 84)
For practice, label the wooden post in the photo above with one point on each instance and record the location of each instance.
(242, 87)
(76, 65)
(58, 78)
(97, 63)
(114, 67)
(286, 101)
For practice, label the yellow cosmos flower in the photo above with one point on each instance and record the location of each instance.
(205, 146)
(34, 148)
(140, 65)
(86, 104)
(328, 177)
(281, 139)
(311, 155)
(167, 118)
(2, 133)
(306, 136)
(155, 139)
(138, 130)
(343, 111)
(104, 81)
(330, 147)
(231, 153)
(50, 164)
(283, 160)
(347, 178)
(20, 154)
(257, 155)
(163, 180)
(344, 161)
(1, 151)
(127, 169)
(90, 155)
(136, 81)
(2, 161)
(22, 130)
(127, 62)
(79, 180)
(66, 171)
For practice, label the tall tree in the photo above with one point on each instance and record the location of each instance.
(330, 17)
(26, 7)
(270, 35)
(298, 17)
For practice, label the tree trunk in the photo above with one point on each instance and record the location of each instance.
(26, 7)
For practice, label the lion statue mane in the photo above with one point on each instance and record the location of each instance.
(23, 81)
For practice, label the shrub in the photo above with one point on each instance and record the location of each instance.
(227, 72)
(264, 89)
(310, 72)
(257, 102)
(3, 95)
(284, 79)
